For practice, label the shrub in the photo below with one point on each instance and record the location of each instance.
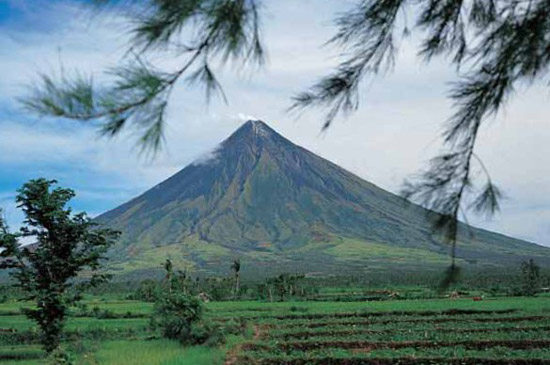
(235, 327)
(176, 313)
(204, 332)
(96, 311)
(60, 356)
(298, 309)
(179, 316)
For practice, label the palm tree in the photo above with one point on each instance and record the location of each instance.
(236, 266)
(169, 272)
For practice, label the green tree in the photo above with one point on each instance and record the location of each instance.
(148, 290)
(168, 267)
(495, 45)
(66, 245)
(236, 267)
(185, 282)
(530, 275)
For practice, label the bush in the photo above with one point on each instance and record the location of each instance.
(60, 356)
(235, 327)
(180, 318)
(204, 332)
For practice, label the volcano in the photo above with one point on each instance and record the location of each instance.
(280, 208)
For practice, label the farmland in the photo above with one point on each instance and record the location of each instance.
(512, 330)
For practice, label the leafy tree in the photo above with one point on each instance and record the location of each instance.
(219, 288)
(147, 291)
(495, 45)
(283, 284)
(179, 280)
(530, 274)
(66, 245)
(185, 282)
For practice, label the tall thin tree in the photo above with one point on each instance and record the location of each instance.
(236, 267)
(169, 274)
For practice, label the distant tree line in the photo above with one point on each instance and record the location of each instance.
(526, 279)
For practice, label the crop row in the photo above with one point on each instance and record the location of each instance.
(369, 314)
(441, 355)
(352, 332)
(276, 331)
(366, 321)
(20, 353)
(368, 345)
(393, 361)
(435, 337)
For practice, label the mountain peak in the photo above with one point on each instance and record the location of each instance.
(254, 133)
(256, 123)
(257, 127)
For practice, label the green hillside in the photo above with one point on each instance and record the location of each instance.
(279, 207)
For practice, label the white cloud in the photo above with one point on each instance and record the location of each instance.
(209, 157)
(243, 117)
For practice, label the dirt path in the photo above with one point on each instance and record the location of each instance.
(258, 332)
(232, 357)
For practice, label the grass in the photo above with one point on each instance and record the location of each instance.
(21, 354)
(115, 305)
(351, 249)
(21, 323)
(120, 306)
(286, 332)
(163, 352)
(255, 309)
(158, 352)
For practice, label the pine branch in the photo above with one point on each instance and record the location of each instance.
(139, 95)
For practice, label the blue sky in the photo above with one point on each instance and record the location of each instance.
(392, 135)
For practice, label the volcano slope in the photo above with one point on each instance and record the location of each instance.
(281, 208)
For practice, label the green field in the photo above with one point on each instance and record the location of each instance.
(516, 330)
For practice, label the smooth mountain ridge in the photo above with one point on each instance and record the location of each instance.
(279, 207)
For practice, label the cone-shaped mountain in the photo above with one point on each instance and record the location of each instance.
(280, 208)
